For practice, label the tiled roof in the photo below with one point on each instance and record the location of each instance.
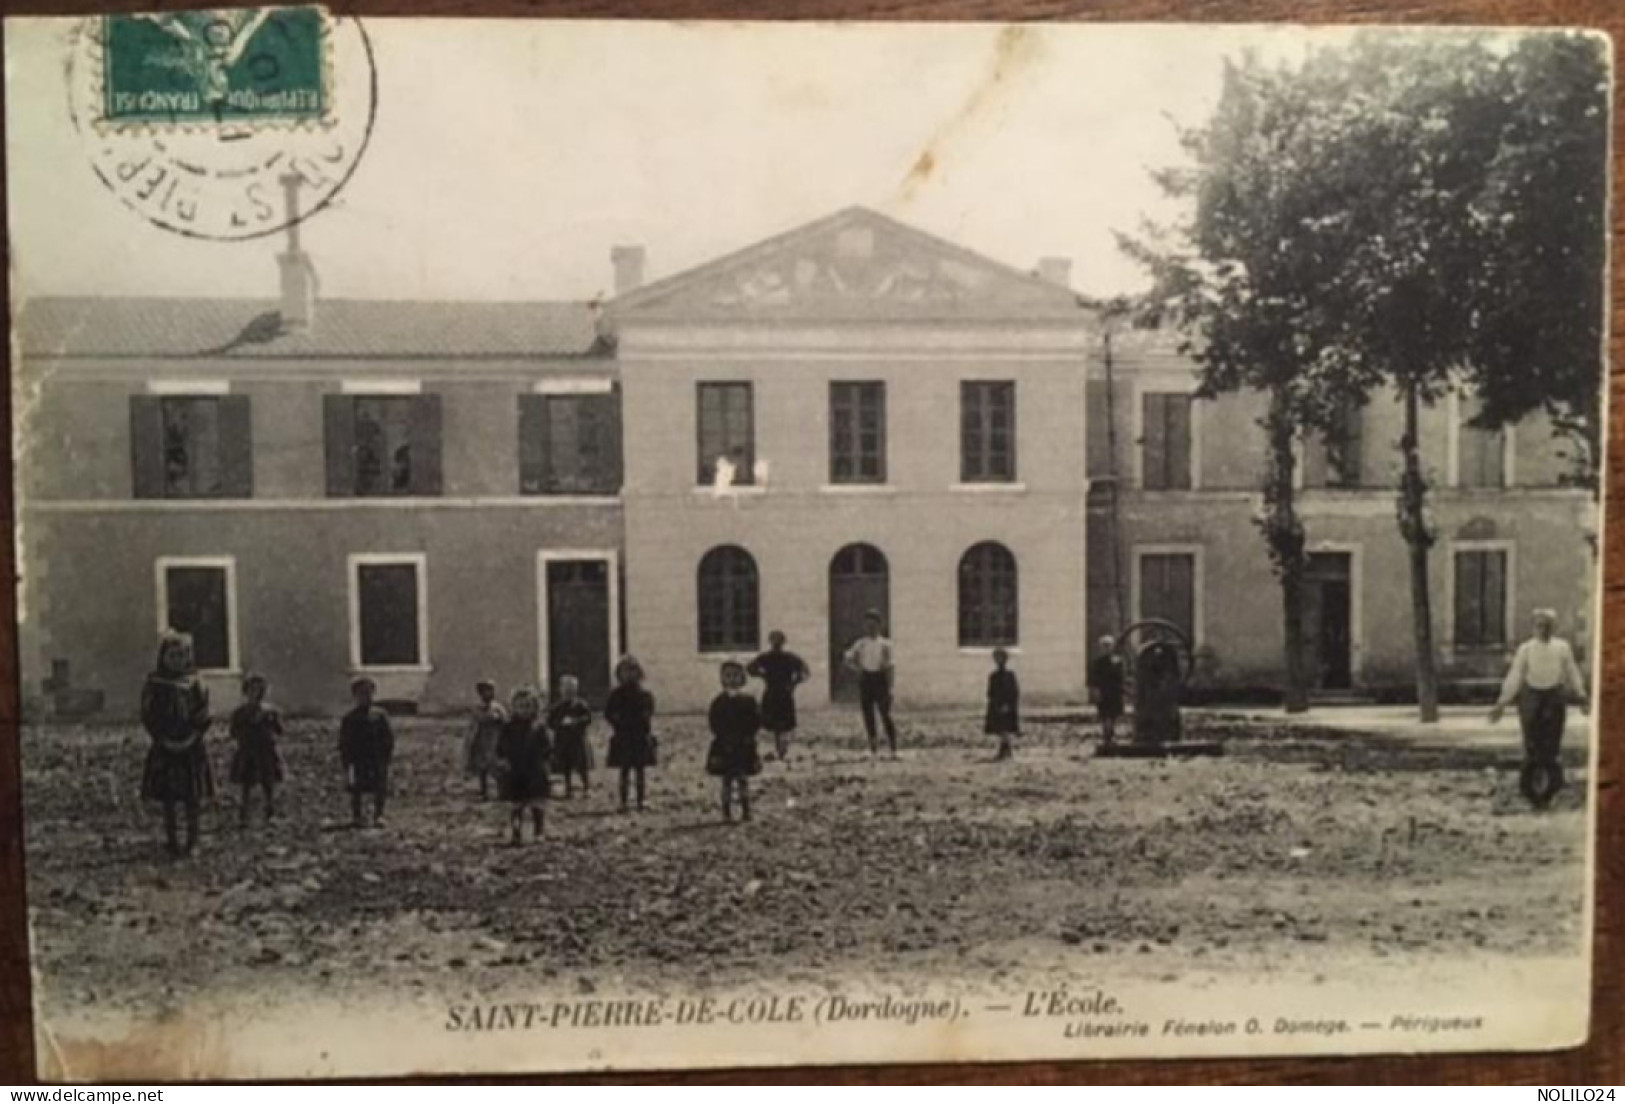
(343, 329)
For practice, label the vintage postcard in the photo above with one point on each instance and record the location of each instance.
(601, 546)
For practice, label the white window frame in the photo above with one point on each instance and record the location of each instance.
(1137, 395)
(1198, 582)
(420, 561)
(381, 387)
(1509, 449)
(1510, 547)
(182, 388)
(611, 559)
(1356, 555)
(234, 655)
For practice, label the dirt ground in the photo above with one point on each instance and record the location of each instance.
(1299, 845)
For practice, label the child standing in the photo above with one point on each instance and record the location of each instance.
(481, 753)
(257, 761)
(630, 712)
(781, 672)
(735, 720)
(523, 750)
(569, 720)
(175, 713)
(366, 745)
(1003, 703)
(1106, 688)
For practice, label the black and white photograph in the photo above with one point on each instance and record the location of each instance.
(571, 546)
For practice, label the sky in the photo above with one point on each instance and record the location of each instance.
(509, 157)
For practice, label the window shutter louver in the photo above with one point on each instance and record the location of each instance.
(147, 446)
(236, 447)
(426, 445)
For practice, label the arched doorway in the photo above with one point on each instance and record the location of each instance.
(859, 581)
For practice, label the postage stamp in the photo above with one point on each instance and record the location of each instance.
(223, 124)
(258, 64)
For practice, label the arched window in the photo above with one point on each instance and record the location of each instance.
(728, 606)
(987, 597)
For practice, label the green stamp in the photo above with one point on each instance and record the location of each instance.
(242, 65)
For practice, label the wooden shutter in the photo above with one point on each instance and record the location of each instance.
(1178, 441)
(1353, 457)
(236, 447)
(147, 446)
(1154, 442)
(1492, 603)
(426, 445)
(338, 417)
(533, 465)
(607, 480)
(1317, 459)
(1469, 594)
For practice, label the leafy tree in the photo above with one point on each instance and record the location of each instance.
(1367, 220)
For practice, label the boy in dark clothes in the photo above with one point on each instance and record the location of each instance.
(523, 749)
(630, 712)
(257, 761)
(175, 713)
(1106, 688)
(735, 720)
(1003, 703)
(568, 721)
(781, 672)
(366, 745)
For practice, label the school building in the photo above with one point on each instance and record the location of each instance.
(853, 415)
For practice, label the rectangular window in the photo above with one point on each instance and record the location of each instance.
(1334, 458)
(1168, 589)
(570, 444)
(383, 445)
(987, 431)
(191, 446)
(857, 433)
(196, 599)
(1481, 596)
(726, 432)
(387, 605)
(1483, 457)
(1165, 441)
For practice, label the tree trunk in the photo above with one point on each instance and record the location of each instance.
(1283, 533)
(1418, 539)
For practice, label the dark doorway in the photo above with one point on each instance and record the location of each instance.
(859, 581)
(578, 630)
(1328, 629)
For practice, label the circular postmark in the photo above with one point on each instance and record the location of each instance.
(223, 125)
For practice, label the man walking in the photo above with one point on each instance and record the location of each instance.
(1542, 678)
(871, 657)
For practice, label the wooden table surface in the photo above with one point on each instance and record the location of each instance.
(1600, 1062)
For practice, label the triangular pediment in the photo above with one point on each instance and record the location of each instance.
(857, 264)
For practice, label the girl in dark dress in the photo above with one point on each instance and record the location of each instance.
(255, 726)
(175, 713)
(1003, 703)
(569, 720)
(366, 745)
(781, 672)
(479, 760)
(523, 750)
(630, 712)
(735, 721)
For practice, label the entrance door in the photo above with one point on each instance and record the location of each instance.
(578, 629)
(1328, 621)
(858, 582)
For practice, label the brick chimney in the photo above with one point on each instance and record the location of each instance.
(299, 284)
(628, 262)
(1056, 270)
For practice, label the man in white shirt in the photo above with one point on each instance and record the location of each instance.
(871, 657)
(1541, 680)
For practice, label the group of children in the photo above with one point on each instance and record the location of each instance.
(519, 747)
